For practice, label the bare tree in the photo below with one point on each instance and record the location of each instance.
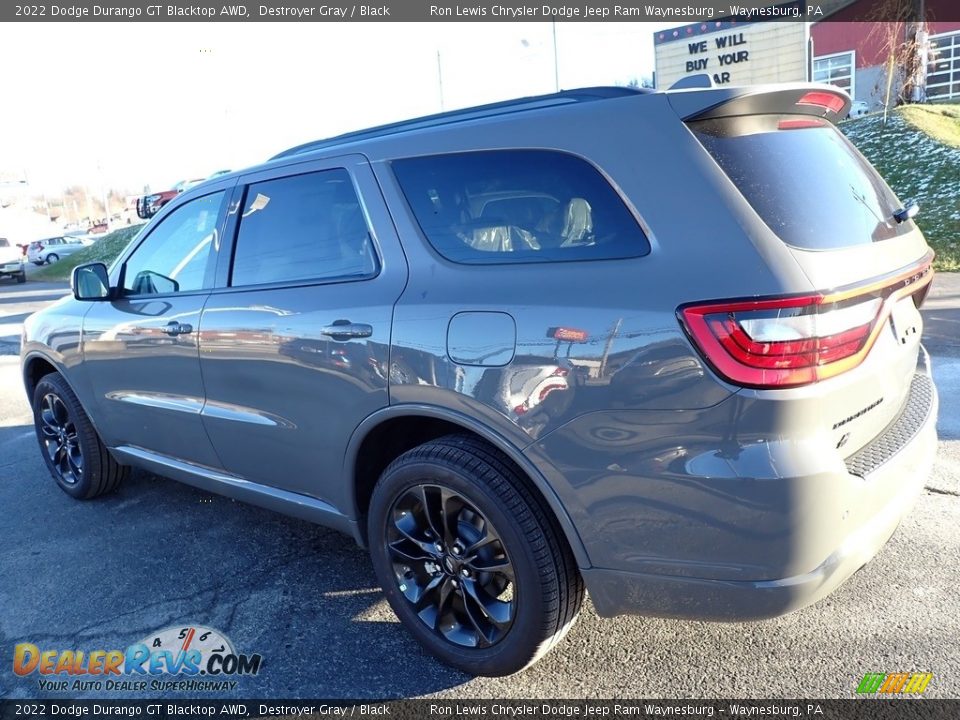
(900, 28)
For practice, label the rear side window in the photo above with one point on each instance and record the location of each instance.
(303, 227)
(806, 181)
(518, 206)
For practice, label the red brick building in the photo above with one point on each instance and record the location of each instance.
(853, 54)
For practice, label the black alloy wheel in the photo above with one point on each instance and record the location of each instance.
(450, 564)
(71, 448)
(59, 438)
(470, 557)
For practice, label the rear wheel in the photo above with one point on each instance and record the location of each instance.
(52, 258)
(71, 448)
(470, 562)
(22, 277)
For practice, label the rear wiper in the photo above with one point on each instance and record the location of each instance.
(910, 210)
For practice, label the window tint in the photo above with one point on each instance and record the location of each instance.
(518, 206)
(174, 257)
(804, 179)
(305, 227)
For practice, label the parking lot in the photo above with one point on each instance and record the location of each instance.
(105, 574)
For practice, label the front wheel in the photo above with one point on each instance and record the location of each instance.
(71, 448)
(52, 258)
(471, 563)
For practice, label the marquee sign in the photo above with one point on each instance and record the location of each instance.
(733, 52)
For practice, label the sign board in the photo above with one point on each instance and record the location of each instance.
(733, 52)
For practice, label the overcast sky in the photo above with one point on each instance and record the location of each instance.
(130, 104)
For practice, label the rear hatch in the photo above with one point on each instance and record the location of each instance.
(856, 335)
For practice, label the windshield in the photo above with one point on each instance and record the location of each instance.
(807, 182)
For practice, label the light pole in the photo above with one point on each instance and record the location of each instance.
(556, 66)
(440, 79)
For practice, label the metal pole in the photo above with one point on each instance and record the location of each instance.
(105, 196)
(440, 80)
(556, 67)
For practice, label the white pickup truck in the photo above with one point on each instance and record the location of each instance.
(11, 261)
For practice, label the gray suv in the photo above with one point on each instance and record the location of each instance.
(661, 346)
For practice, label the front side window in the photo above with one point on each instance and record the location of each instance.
(301, 228)
(518, 206)
(175, 256)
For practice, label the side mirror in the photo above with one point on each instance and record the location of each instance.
(90, 282)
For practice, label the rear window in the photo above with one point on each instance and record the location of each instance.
(807, 182)
(518, 206)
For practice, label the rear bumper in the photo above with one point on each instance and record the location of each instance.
(891, 472)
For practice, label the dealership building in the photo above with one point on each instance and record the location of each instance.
(845, 49)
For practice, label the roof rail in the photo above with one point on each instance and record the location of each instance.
(472, 113)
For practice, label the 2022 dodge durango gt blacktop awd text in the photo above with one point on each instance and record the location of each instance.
(661, 346)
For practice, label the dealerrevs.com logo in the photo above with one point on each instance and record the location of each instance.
(204, 658)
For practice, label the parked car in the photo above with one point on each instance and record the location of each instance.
(859, 109)
(50, 250)
(150, 205)
(664, 346)
(11, 261)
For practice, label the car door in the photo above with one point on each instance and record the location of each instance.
(141, 348)
(294, 350)
(52, 247)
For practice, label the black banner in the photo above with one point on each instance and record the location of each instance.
(679, 11)
(863, 709)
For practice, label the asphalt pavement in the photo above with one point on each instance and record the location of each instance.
(107, 573)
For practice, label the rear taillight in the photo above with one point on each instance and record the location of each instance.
(821, 99)
(800, 123)
(790, 341)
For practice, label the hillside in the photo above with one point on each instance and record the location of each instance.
(918, 152)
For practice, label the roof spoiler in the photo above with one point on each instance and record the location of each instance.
(823, 101)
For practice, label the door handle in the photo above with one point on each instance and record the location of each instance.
(346, 330)
(174, 328)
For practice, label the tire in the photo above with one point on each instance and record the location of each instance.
(493, 520)
(84, 469)
(52, 258)
(22, 277)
